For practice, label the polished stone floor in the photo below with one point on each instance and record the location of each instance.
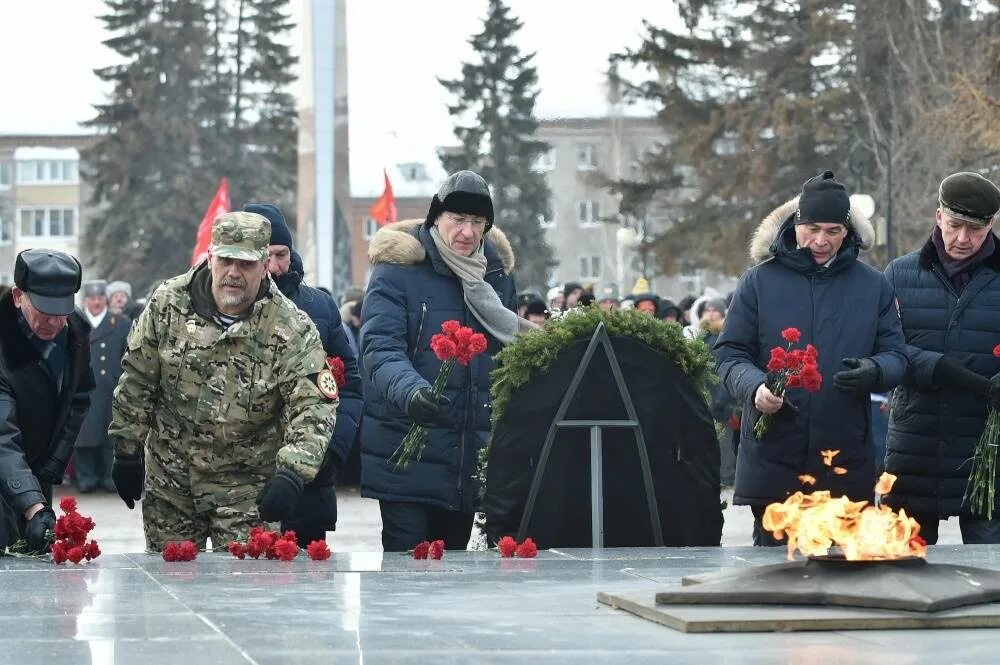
(373, 608)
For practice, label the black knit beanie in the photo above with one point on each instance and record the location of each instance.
(823, 199)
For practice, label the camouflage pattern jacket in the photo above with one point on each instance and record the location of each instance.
(219, 408)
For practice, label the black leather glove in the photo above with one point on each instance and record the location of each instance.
(952, 373)
(425, 409)
(50, 473)
(280, 496)
(35, 531)
(128, 473)
(861, 375)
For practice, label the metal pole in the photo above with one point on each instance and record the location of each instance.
(596, 489)
(324, 15)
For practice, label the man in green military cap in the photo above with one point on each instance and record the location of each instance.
(225, 406)
(947, 294)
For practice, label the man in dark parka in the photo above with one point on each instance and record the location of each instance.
(109, 330)
(413, 289)
(949, 300)
(45, 384)
(808, 277)
(317, 510)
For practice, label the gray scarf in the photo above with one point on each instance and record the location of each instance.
(482, 300)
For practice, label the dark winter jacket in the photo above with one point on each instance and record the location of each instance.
(107, 346)
(325, 314)
(844, 310)
(410, 294)
(38, 424)
(933, 430)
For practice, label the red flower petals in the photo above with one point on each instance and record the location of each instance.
(237, 549)
(527, 549)
(457, 342)
(336, 366)
(421, 550)
(318, 550)
(182, 551)
(68, 504)
(996, 350)
(436, 550)
(286, 550)
(269, 544)
(507, 547)
(791, 335)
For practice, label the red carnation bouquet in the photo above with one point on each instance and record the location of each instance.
(981, 489)
(455, 344)
(788, 368)
(274, 545)
(71, 531)
(509, 547)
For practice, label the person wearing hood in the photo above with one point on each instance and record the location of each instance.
(807, 276)
(455, 265)
(948, 293)
(317, 510)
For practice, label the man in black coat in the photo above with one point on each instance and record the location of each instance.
(809, 277)
(949, 299)
(317, 510)
(109, 330)
(45, 384)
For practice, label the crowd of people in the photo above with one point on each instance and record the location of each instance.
(238, 394)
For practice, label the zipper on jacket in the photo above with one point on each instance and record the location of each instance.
(253, 377)
(420, 330)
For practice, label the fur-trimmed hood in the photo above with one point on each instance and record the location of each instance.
(764, 236)
(399, 243)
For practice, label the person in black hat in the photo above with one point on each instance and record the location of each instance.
(947, 293)
(109, 329)
(317, 510)
(45, 384)
(452, 265)
(807, 276)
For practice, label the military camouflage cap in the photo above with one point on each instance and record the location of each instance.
(241, 235)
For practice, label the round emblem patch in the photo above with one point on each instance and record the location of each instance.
(327, 384)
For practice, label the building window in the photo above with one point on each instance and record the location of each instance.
(48, 222)
(6, 234)
(370, 228)
(546, 161)
(588, 213)
(5, 168)
(47, 172)
(586, 157)
(590, 267)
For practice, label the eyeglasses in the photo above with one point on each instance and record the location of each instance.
(474, 221)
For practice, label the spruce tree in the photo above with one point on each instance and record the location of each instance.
(494, 103)
(757, 97)
(202, 93)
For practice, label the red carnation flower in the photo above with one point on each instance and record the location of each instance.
(778, 360)
(68, 504)
(336, 366)
(527, 549)
(507, 547)
(291, 535)
(188, 551)
(91, 550)
(436, 549)
(421, 550)
(75, 554)
(172, 552)
(450, 327)
(733, 422)
(477, 343)
(237, 549)
(443, 347)
(791, 335)
(318, 550)
(58, 552)
(285, 549)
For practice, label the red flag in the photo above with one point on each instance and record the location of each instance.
(219, 205)
(384, 209)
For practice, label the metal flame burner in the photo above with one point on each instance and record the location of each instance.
(896, 584)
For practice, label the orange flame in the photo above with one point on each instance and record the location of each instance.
(806, 479)
(885, 483)
(828, 456)
(816, 522)
(839, 470)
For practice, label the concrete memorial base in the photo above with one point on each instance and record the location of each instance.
(376, 609)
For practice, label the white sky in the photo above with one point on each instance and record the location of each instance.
(396, 49)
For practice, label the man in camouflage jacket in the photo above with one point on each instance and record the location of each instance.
(225, 403)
